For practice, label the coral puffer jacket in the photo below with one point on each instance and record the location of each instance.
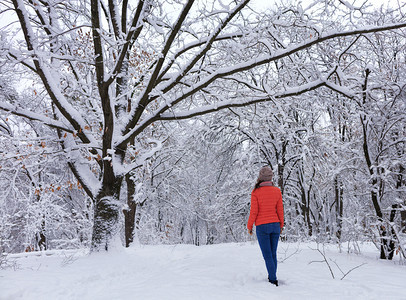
(266, 206)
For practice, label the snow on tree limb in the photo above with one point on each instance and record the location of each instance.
(67, 110)
(190, 46)
(35, 117)
(143, 99)
(276, 56)
(132, 35)
(169, 85)
(240, 103)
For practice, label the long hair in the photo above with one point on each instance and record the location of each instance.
(257, 184)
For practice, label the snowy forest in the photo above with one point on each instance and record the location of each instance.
(147, 121)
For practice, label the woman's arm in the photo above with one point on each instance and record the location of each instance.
(253, 212)
(279, 210)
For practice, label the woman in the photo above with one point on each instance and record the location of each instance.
(267, 214)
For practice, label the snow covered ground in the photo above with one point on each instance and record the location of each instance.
(225, 271)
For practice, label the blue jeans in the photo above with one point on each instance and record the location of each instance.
(268, 237)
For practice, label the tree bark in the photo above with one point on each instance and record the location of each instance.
(399, 184)
(338, 193)
(129, 212)
(106, 215)
(41, 238)
(387, 246)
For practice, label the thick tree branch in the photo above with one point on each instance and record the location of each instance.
(78, 176)
(205, 49)
(23, 62)
(97, 43)
(239, 103)
(69, 112)
(192, 46)
(45, 24)
(132, 35)
(113, 9)
(124, 16)
(231, 103)
(144, 97)
(34, 117)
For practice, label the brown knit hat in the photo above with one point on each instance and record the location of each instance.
(265, 174)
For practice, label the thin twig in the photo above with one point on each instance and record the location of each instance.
(324, 260)
(352, 270)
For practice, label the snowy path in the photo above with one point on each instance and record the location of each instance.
(226, 271)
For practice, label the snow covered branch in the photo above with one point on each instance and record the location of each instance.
(15, 110)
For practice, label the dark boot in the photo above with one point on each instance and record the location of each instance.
(275, 282)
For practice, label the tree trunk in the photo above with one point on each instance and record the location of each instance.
(305, 204)
(41, 238)
(129, 212)
(338, 192)
(281, 166)
(106, 215)
(399, 184)
(387, 247)
(387, 242)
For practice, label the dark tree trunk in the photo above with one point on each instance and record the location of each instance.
(106, 214)
(305, 204)
(338, 195)
(403, 219)
(41, 238)
(129, 212)
(281, 166)
(399, 184)
(387, 245)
